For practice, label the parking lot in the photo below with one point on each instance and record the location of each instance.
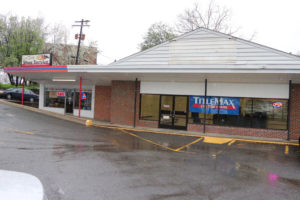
(78, 162)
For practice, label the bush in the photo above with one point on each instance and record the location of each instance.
(6, 86)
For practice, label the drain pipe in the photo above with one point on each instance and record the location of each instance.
(205, 97)
(289, 110)
(134, 109)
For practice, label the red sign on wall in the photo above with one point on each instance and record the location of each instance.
(61, 94)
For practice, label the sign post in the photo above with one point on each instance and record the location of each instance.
(23, 91)
(79, 107)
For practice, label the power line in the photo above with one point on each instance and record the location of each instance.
(80, 35)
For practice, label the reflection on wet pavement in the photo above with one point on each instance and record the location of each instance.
(78, 162)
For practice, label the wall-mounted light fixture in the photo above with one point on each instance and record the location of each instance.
(63, 80)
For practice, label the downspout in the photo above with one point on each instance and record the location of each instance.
(205, 97)
(134, 109)
(289, 111)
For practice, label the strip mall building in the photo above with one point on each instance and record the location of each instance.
(200, 81)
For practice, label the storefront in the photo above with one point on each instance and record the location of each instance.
(65, 99)
(202, 81)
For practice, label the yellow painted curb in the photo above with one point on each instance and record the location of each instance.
(215, 140)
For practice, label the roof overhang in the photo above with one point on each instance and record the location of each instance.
(95, 74)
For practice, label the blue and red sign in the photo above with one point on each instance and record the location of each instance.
(277, 104)
(83, 96)
(215, 105)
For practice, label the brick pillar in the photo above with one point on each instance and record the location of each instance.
(102, 103)
(122, 102)
(295, 112)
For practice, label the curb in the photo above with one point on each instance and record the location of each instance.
(128, 128)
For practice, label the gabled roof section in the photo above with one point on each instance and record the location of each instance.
(204, 47)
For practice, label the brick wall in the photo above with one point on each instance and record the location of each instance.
(239, 131)
(102, 103)
(295, 112)
(122, 102)
(116, 104)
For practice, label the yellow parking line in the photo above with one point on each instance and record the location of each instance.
(189, 144)
(267, 142)
(199, 136)
(286, 151)
(215, 154)
(150, 141)
(23, 132)
(230, 143)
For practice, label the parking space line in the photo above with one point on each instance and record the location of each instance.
(230, 143)
(189, 144)
(200, 136)
(150, 141)
(286, 151)
(19, 131)
(215, 154)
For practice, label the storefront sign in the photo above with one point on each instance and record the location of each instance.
(215, 105)
(83, 96)
(277, 104)
(61, 94)
(38, 60)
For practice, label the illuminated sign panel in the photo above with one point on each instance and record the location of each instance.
(277, 104)
(36, 60)
(61, 94)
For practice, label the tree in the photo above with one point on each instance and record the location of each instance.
(19, 36)
(157, 34)
(213, 17)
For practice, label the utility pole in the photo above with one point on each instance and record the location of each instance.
(81, 37)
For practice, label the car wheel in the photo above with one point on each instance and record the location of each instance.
(8, 97)
(31, 100)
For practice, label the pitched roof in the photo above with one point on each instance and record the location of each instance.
(210, 48)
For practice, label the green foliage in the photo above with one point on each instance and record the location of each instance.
(157, 34)
(6, 86)
(19, 37)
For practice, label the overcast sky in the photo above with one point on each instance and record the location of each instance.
(119, 25)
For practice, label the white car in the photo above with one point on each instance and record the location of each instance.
(19, 185)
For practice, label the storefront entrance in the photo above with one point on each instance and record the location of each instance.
(69, 101)
(173, 112)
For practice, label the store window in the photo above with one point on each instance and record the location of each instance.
(270, 113)
(240, 112)
(54, 98)
(149, 107)
(86, 100)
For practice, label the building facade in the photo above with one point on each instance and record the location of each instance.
(202, 81)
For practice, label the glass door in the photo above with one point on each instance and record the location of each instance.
(166, 112)
(180, 112)
(69, 101)
(173, 112)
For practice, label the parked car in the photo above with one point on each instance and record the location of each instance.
(16, 93)
(19, 185)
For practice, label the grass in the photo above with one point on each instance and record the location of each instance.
(6, 86)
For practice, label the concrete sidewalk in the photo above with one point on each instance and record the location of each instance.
(104, 124)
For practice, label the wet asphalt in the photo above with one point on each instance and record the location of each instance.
(90, 163)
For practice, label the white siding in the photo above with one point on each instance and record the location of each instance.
(280, 91)
(217, 89)
(207, 48)
(175, 88)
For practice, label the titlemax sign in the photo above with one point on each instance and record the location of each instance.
(215, 105)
